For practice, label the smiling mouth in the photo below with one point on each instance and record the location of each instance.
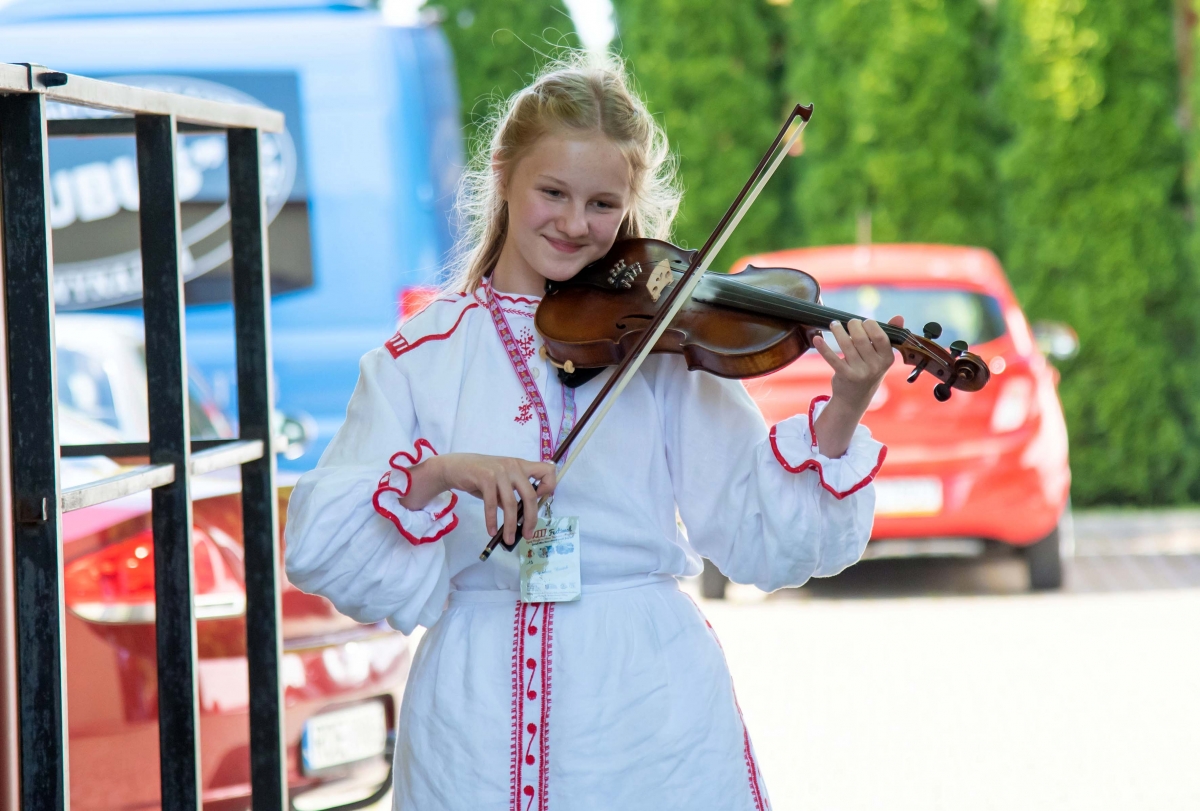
(564, 247)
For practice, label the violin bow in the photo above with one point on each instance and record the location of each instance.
(678, 296)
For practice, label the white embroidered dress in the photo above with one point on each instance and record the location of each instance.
(621, 699)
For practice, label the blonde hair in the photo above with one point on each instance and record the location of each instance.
(579, 94)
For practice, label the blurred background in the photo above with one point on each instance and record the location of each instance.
(1024, 632)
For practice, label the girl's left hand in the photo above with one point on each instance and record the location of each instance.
(866, 356)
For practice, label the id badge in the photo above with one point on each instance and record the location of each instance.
(550, 560)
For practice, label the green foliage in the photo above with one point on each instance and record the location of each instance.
(900, 128)
(1093, 214)
(498, 48)
(707, 70)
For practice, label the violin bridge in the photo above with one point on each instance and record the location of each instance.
(659, 278)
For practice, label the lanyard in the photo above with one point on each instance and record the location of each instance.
(531, 390)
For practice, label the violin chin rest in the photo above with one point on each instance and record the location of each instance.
(576, 378)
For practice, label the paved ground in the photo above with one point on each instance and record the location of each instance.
(945, 685)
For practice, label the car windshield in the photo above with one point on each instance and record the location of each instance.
(964, 315)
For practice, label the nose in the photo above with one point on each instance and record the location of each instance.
(573, 222)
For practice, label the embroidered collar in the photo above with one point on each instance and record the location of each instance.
(508, 298)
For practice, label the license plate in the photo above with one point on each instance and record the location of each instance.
(918, 495)
(344, 736)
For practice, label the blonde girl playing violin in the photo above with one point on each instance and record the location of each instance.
(620, 697)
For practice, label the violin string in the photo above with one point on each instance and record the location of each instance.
(754, 295)
(727, 289)
(744, 296)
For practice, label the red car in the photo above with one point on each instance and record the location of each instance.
(343, 681)
(984, 469)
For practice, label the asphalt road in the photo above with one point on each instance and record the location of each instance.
(944, 684)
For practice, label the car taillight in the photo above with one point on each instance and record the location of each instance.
(116, 584)
(1013, 404)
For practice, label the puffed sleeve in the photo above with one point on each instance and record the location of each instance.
(348, 537)
(765, 506)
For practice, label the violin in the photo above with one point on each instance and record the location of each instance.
(736, 325)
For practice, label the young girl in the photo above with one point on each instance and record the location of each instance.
(621, 699)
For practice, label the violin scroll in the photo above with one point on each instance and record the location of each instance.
(955, 368)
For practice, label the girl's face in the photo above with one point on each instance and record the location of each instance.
(566, 199)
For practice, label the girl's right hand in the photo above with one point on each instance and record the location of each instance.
(496, 479)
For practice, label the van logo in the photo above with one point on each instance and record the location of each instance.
(97, 182)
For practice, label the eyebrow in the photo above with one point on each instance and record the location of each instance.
(614, 195)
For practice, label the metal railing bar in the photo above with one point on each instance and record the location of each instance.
(133, 481)
(86, 92)
(121, 125)
(260, 520)
(120, 449)
(36, 527)
(14, 78)
(227, 455)
(171, 505)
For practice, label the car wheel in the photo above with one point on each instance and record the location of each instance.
(1045, 557)
(712, 582)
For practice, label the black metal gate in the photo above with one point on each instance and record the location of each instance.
(35, 496)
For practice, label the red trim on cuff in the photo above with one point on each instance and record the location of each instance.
(419, 446)
(385, 485)
(813, 464)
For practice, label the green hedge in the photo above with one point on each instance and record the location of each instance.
(706, 68)
(1044, 129)
(1093, 215)
(498, 48)
(900, 128)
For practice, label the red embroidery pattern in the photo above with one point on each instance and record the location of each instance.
(813, 464)
(525, 343)
(513, 299)
(397, 345)
(524, 411)
(529, 777)
(522, 369)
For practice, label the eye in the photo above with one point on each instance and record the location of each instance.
(603, 205)
(555, 193)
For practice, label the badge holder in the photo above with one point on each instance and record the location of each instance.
(550, 559)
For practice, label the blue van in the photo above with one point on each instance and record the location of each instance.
(359, 186)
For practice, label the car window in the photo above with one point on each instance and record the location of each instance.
(83, 385)
(964, 314)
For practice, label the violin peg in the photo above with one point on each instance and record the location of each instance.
(912, 378)
(932, 330)
(957, 348)
(941, 392)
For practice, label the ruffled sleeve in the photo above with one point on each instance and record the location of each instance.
(766, 506)
(417, 526)
(348, 537)
(794, 443)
